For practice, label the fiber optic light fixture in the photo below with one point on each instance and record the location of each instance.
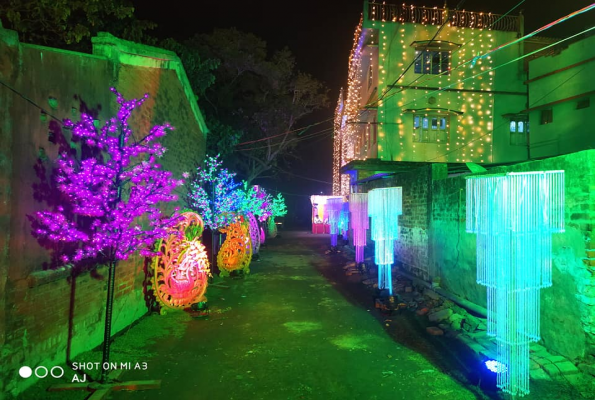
(514, 216)
(384, 207)
(358, 206)
(344, 220)
(334, 206)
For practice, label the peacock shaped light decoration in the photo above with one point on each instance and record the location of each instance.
(181, 268)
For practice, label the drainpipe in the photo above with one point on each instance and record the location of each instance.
(466, 304)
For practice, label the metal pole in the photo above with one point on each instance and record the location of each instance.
(111, 280)
(107, 334)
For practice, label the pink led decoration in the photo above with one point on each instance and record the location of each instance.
(358, 206)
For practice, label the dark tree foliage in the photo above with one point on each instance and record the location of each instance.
(71, 23)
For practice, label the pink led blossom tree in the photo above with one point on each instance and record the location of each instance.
(116, 182)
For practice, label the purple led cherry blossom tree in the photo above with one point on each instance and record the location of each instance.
(114, 184)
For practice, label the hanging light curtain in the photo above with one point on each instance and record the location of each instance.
(344, 220)
(384, 207)
(334, 206)
(358, 206)
(514, 216)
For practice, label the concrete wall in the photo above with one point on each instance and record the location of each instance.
(561, 80)
(47, 313)
(433, 243)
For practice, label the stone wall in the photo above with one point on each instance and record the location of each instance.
(45, 313)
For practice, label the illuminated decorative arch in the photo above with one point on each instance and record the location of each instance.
(236, 252)
(181, 271)
(254, 233)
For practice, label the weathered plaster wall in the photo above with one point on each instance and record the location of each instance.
(561, 81)
(45, 315)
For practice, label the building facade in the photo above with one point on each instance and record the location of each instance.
(561, 92)
(431, 85)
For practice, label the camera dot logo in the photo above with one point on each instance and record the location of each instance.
(25, 372)
(41, 372)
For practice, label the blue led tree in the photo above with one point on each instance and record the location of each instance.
(384, 207)
(213, 194)
(514, 216)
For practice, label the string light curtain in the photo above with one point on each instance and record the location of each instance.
(384, 207)
(514, 216)
(344, 220)
(358, 206)
(334, 206)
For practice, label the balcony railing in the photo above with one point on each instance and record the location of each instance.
(437, 16)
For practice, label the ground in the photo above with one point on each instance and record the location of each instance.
(296, 328)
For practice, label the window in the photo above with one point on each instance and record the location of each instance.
(585, 103)
(430, 128)
(547, 116)
(370, 77)
(519, 127)
(431, 62)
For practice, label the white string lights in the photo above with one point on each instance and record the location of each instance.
(358, 206)
(514, 216)
(384, 207)
(346, 132)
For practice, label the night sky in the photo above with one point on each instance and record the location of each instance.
(320, 35)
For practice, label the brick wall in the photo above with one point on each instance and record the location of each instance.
(413, 250)
(46, 314)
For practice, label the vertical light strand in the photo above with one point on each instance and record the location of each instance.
(384, 207)
(514, 216)
(344, 220)
(358, 206)
(334, 206)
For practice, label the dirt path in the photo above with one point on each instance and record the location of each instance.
(295, 328)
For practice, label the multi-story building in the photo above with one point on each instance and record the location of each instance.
(560, 109)
(430, 85)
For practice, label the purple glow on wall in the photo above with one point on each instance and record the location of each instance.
(358, 206)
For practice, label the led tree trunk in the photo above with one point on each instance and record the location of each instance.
(384, 207)
(358, 206)
(334, 206)
(514, 216)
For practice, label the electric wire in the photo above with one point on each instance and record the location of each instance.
(517, 59)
